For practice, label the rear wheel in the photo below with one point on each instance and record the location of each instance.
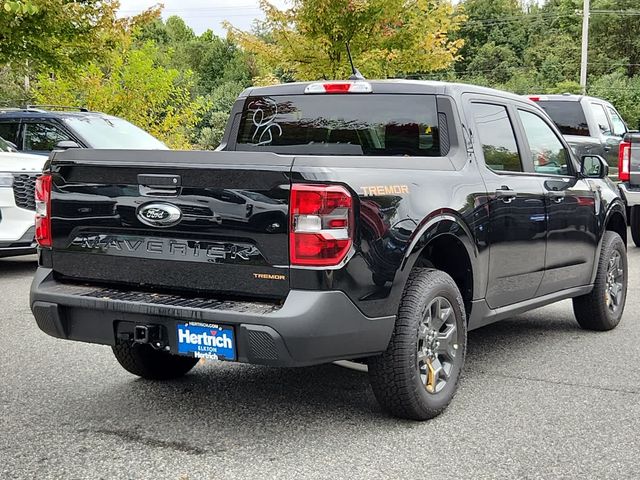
(602, 308)
(417, 376)
(147, 362)
(635, 224)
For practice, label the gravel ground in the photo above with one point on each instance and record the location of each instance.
(539, 398)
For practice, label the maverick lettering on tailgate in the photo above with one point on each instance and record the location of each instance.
(171, 249)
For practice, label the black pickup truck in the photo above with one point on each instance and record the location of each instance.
(374, 221)
(629, 168)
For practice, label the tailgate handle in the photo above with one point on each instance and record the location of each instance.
(159, 181)
(153, 184)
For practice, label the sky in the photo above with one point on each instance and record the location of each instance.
(202, 15)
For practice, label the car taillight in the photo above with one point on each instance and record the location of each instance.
(624, 159)
(321, 224)
(43, 210)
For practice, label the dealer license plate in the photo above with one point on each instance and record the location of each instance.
(202, 340)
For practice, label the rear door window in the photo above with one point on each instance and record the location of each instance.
(497, 137)
(601, 118)
(365, 124)
(9, 131)
(567, 115)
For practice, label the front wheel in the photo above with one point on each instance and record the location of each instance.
(602, 308)
(146, 362)
(417, 376)
(635, 224)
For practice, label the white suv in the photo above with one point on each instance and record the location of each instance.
(18, 173)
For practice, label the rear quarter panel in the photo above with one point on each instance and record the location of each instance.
(399, 209)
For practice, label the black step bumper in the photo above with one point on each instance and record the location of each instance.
(310, 327)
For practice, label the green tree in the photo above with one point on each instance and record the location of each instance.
(499, 22)
(55, 33)
(622, 91)
(496, 63)
(134, 87)
(387, 37)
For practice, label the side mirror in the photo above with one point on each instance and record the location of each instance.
(594, 166)
(12, 145)
(66, 145)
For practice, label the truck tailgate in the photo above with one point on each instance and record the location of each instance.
(194, 221)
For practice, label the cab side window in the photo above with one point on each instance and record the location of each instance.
(42, 137)
(547, 151)
(497, 137)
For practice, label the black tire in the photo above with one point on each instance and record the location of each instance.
(146, 362)
(395, 377)
(598, 310)
(635, 224)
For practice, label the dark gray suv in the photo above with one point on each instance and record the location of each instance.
(36, 130)
(592, 126)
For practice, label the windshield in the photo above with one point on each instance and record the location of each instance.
(358, 124)
(113, 133)
(568, 116)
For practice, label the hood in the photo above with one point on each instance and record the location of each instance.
(15, 162)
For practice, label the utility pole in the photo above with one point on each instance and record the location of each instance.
(585, 46)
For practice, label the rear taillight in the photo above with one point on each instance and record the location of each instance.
(624, 159)
(43, 210)
(321, 224)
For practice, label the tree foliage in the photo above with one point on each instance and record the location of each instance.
(134, 87)
(55, 33)
(387, 37)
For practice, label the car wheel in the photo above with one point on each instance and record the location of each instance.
(635, 224)
(147, 362)
(602, 308)
(417, 376)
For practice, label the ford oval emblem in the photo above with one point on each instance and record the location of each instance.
(159, 214)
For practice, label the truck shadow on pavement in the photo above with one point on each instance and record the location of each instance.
(18, 266)
(223, 404)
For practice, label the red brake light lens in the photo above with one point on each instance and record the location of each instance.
(624, 160)
(321, 224)
(336, 87)
(43, 210)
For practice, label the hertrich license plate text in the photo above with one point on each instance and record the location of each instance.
(202, 340)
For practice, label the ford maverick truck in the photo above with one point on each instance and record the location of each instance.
(376, 221)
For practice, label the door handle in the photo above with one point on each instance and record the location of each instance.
(607, 148)
(556, 197)
(506, 194)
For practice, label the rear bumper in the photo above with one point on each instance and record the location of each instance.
(311, 327)
(631, 194)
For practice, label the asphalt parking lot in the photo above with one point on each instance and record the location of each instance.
(540, 398)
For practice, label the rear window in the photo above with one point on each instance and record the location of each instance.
(568, 116)
(363, 124)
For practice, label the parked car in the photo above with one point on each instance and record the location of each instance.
(413, 212)
(18, 173)
(38, 131)
(590, 125)
(629, 171)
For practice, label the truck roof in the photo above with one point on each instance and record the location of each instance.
(397, 86)
(565, 97)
